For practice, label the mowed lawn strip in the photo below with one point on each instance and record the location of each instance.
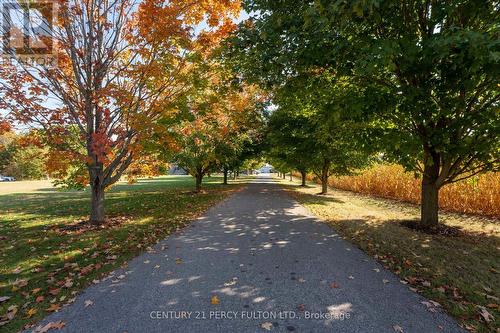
(461, 273)
(42, 268)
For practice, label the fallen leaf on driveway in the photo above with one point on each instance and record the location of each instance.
(430, 306)
(351, 277)
(88, 303)
(385, 281)
(334, 285)
(178, 261)
(232, 282)
(376, 270)
(52, 325)
(214, 300)
(146, 261)
(398, 329)
(267, 326)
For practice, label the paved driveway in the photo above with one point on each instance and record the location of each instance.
(256, 262)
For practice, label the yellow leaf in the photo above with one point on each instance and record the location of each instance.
(31, 312)
(214, 300)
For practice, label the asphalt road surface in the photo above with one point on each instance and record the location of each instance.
(255, 262)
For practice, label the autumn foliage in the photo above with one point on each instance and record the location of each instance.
(119, 64)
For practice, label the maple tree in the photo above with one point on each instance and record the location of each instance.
(117, 63)
(210, 126)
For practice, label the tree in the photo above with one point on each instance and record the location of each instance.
(21, 158)
(435, 63)
(288, 142)
(117, 61)
(319, 126)
(208, 127)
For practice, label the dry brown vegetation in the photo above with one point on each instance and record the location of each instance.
(476, 195)
(460, 272)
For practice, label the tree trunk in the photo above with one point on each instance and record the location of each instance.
(324, 185)
(225, 175)
(324, 177)
(430, 197)
(291, 176)
(97, 204)
(199, 178)
(303, 177)
(283, 175)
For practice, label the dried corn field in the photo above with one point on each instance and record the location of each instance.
(477, 195)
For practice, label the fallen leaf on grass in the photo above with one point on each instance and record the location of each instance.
(31, 312)
(485, 315)
(4, 298)
(88, 303)
(54, 291)
(20, 283)
(11, 312)
(39, 299)
(52, 325)
(17, 270)
(267, 326)
(53, 307)
(214, 300)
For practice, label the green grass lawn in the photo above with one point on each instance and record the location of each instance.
(42, 267)
(461, 273)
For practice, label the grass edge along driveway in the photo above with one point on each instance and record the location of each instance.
(461, 273)
(43, 265)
